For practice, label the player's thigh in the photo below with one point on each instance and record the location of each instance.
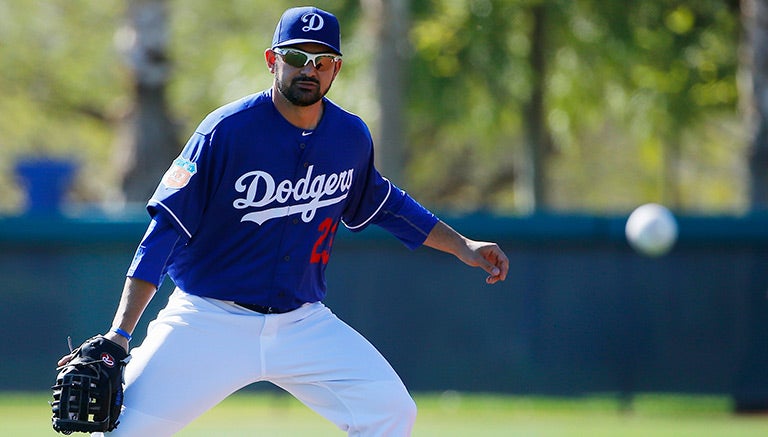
(191, 359)
(337, 372)
(323, 346)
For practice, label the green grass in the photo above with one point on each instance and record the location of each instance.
(446, 415)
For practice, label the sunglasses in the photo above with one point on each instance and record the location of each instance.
(298, 58)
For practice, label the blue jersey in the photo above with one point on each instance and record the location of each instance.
(249, 210)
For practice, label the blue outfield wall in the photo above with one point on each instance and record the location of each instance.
(579, 313)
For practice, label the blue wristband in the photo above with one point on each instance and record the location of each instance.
(122, 333)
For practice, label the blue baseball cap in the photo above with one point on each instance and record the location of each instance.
(307, 24)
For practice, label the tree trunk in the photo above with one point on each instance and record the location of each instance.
(755, 18)
(389, 21)
(149, 140)
(750, 392)
(670, 173)
(537, 137)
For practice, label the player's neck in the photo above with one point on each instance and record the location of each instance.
(303, 117)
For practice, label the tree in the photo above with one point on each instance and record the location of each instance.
(149, 140)
(750, 391)
(468, 81)
(388, 21)
(538, 139)
(626, 102)
(59, 81)
(755, 65)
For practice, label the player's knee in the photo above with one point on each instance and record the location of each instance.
(403, 409)
(409, 410)
(388, 410)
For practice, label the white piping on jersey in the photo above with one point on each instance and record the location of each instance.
(389, 190)
(411, 224)
(181, 225)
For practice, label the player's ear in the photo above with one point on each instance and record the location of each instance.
(337, 68)
(269, 56)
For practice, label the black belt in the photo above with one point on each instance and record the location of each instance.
(262, 309)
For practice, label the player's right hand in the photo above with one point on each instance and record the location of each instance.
(65, 359)
(119, 339)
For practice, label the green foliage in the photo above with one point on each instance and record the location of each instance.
(640, 97)
(60, 80)
(468, 85)
(65, 85)
(636, 93)
(218, 51)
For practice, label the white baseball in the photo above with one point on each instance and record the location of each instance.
(651, 229)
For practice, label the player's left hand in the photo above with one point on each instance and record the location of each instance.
(486, 255)
(490, 258)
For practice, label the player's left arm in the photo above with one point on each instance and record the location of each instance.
(486, 255)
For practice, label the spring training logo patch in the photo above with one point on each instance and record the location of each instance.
(311, 193)
(180, 173)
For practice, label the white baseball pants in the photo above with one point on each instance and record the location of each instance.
(199, 351)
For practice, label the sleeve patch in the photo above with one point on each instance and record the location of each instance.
(180, 173)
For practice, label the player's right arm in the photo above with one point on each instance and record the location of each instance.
(145, 275)
(136, 296)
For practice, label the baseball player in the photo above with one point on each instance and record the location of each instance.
(243, 222)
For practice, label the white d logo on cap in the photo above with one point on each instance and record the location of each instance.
(314, 22)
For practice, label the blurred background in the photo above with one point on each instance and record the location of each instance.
(538, 124)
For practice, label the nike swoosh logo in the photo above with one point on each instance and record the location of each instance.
(305, 133)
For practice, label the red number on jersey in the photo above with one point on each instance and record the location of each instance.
(320, 251)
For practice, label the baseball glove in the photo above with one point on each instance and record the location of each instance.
(88, 393)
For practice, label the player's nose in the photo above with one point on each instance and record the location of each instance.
(309, 69)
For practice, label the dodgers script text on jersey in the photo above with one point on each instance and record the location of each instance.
(317, 191)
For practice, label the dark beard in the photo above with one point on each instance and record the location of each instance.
(298, 96)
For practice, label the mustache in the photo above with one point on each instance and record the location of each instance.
(304, 79)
